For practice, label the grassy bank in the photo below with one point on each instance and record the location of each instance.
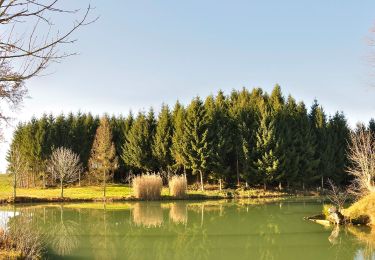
(118, 192)
(363, 209)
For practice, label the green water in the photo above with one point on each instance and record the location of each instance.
(190, 230)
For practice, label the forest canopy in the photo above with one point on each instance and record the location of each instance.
(249, 137)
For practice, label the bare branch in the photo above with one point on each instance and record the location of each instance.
(362, 156)
(29, 42)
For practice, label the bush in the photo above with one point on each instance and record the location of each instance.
(147, 187)
(22, 240)
(177, 186)
(325, 210)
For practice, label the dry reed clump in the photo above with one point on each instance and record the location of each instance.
(178, 186)
(362, 209)
(147, 215)
(147, 186)
(178, 213)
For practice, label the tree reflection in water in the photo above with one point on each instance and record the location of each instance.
(366, 238)
(194, 230)
(63, 236)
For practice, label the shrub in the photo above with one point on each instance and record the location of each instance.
(147, 187)
(22, 240)
(325, 210)
(363, 210)
(177, 186)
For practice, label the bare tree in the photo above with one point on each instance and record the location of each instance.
(64, 166)
(336, 195)
(362, 156)
(16, 168)
(29, 42)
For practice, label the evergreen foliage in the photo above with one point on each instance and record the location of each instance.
(246, 137)
(196, 147)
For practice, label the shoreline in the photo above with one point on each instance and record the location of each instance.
(198, 197)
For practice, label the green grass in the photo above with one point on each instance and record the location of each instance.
(117, 191)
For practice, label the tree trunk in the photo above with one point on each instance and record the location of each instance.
(62, 188)
(185, 174)
(79, 179)
(264, 185)
(322, 182)
(201, 175)
(44, 180)
(238, 172)
(104, 183)
(14, 186)
(280, 187)
(220, 184)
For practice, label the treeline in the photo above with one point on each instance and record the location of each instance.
(248, 137)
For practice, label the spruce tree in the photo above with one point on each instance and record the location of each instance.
(267, 162)
(162, 143)
(137, 150)
(196, 147)
(338, 132)
(319, 126)
(220, 128)
(276, 103)
(103, 160)
(306, 148)
(177, 148)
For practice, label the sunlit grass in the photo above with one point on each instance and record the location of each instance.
(363, 207)
(120, 191)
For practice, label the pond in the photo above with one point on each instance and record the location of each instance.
(242, 229)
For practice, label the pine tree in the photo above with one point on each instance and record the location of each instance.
(338, 132)
(220, 127)
(177, 148)
(103, 160)
(276, 103)
(196, 147)
(291, 142)
(162, 143)
(306, 147)
(319, 126)
(267, 162)
(137, 150)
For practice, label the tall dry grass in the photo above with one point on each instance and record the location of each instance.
(147, 186)
(178, 186)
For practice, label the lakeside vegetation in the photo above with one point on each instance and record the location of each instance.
(247, 138)
(119, 192)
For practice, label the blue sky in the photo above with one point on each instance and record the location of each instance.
(142, 53)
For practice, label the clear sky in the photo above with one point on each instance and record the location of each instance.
(142, 53)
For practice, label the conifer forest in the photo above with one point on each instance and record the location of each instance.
(247, 137)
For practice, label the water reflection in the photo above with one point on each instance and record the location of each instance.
(333, 238)
(366, 238)
(194, 230)
(63, 235)
(178, 213)
(147, 214)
